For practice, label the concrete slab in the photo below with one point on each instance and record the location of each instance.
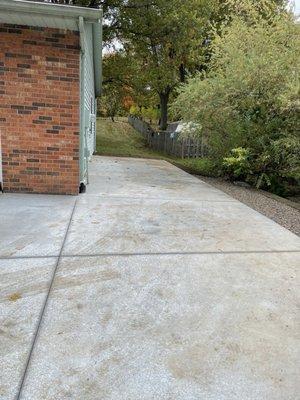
(147, 178)
(135, 225)
(145, 327)
(33, 225)
(23, 287)
(210, 327)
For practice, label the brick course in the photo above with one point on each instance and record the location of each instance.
(39, 109)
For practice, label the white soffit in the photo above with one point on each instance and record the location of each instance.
(21, 12)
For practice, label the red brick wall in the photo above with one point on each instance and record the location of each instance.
(39, 109)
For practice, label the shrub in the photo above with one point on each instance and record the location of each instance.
(249, 99)
(135, 111)
(277, 168)
(238, 165)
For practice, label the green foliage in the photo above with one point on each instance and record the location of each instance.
(111, 103)
(285, 157)
(200, 166)
(151, 114)
(164, 40)
(162, 35)
(146, 113)
(276, 168)
(121, 77)
(250, 98)
(238, 164)
(134, 110)
(118, 85)
(250, 11)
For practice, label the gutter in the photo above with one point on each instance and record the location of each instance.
(50, 9)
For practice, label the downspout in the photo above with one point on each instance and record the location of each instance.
(1, 176)
(97, 58)
(83, 158)
(97, 55)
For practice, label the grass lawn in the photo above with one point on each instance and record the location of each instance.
(120, 139)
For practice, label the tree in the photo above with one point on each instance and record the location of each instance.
(117, 88)
(164, 40)
(248, 10)
(169, 40)
(111, 103)
(121, 69)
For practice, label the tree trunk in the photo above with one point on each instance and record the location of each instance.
(164, 100)
(182, 73)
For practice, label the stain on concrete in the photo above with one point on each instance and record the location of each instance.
(14, 296)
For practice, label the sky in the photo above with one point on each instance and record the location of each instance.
(297, 6)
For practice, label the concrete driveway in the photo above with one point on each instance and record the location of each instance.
(152, 285)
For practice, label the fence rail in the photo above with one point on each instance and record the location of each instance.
(168, 141)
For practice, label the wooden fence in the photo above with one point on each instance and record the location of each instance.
(168, 141)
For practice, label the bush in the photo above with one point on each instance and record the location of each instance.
(238, 165)
(135, 111)
(250, 100)
(277, 168)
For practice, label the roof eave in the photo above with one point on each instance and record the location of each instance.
(51, 10)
